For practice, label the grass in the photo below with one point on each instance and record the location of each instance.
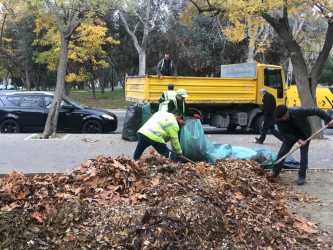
(109, 100)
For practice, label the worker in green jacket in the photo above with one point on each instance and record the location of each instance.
(160, 128)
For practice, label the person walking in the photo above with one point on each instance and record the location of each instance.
(160, 128)
(166, 97)
(166, 67)
(269, 121)
(294, 126)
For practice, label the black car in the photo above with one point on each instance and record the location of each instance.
(27, 112)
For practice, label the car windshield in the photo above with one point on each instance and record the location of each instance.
(75, 103)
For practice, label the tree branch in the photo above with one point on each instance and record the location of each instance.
(323, 55)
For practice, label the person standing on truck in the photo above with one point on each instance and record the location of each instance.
(294, 126)
(161, 127)
(179, 103)
(269, 121)
(166, 67)
(166, 97)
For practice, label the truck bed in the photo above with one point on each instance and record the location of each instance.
(201, 90)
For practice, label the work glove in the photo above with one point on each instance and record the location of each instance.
(181, 122)
(161, 77)
(176, 77)
(197, 116)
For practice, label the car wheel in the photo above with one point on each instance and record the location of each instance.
(10, 126)
(92, 127)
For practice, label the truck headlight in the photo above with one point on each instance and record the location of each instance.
(109, 117)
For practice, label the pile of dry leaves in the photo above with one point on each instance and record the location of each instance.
(118, 203)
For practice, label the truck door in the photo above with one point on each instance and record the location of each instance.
(274, 84)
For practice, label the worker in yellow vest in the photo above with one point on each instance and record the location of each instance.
(160, 128)
(166, 97)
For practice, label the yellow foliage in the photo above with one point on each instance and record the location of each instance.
(86, 51)
(236, 33)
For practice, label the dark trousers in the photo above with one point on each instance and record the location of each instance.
(273, 131)
(285, 148)
(144, 142)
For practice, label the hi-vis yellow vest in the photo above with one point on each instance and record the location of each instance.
(161, 127)
(168, 96)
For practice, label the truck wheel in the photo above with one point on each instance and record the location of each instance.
(232, 127)
(258, 123)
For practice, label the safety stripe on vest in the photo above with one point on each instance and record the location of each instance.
(174, 138)
(161, 125)
(176, 151)
(171, 124)
(155, 133)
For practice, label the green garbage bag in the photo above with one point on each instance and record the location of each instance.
(146, 113)
(197, 147)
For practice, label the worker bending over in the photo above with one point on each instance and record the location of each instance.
(179, 103)
(294, 126)
(160, 128)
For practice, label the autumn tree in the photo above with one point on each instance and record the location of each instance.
(16, 37)
(278, 15)
(68, 16)
(86, 53)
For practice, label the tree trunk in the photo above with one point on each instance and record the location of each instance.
(102, 81)
(93, 90)
(305, 87)
(289, 73)
(68, 87)
(142, 62)
(52, 118)
(250, 54)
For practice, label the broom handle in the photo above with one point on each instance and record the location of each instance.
(300, 145)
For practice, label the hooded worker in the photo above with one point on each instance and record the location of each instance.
(160, 128)
(179, 103)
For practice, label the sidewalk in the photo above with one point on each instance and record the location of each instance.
(60, 155)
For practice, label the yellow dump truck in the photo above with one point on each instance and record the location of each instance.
(324, 96)
(224, 102)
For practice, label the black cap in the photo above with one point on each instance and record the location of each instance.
(171, 86)
(280, 111)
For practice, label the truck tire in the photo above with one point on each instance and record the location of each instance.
(232, 127)
(258, 123)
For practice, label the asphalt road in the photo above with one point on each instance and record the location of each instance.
(19, 152)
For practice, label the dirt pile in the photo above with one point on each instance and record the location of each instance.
(156, 204)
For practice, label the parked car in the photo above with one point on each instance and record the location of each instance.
(28, 111)
(8, 87)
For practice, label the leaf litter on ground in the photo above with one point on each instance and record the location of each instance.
(153, 204)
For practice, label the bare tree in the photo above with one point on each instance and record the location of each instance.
(141, 48)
